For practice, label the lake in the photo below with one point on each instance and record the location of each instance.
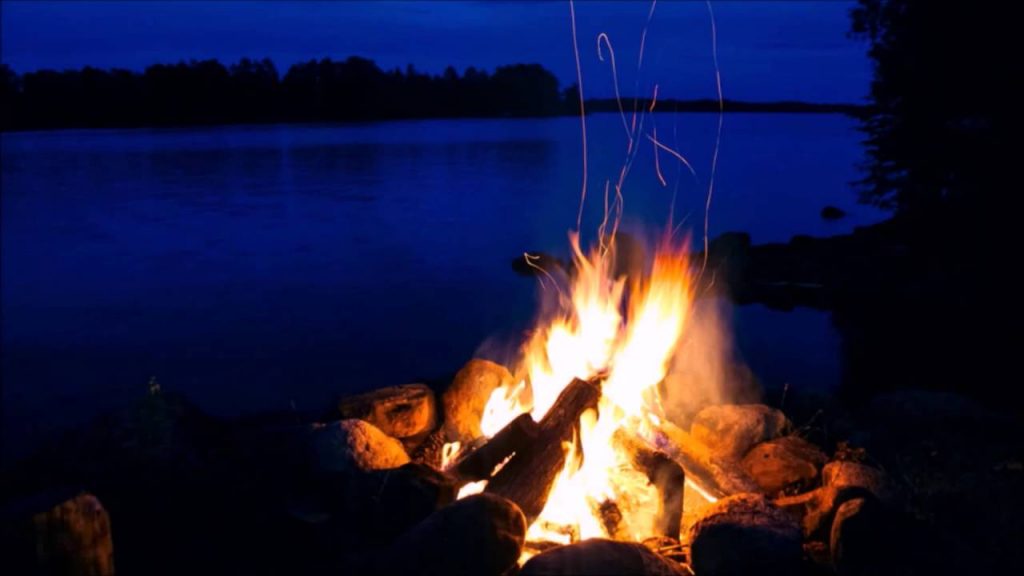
(265, 267)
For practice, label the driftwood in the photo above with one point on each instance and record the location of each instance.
(529, 475)
(715, 476)
(664, 473)
(479, 464)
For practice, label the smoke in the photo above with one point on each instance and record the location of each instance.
(706, 369)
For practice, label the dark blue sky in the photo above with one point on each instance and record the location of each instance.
(767, 50)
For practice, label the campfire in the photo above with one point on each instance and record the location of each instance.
(574, 441)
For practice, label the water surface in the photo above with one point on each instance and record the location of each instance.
(265, 267)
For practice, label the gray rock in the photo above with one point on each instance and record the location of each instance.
(731, 430)
(481, 535)
(599, 556)
(745, 535)
(56, 533)
(843, 474)
(399, 411)
(464, 401)
(783, 464)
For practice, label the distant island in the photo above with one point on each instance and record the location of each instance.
(207, 92)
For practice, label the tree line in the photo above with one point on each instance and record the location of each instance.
(253, 91)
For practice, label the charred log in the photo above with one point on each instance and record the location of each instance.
(515, 437)
(528, 477)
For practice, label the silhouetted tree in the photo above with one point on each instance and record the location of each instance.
(207, 92)
(946, 98)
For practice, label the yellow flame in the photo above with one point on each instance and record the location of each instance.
(632, 350)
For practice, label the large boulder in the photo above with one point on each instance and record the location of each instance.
(743, 535)
(598, 556)
(784, 464)
(481, 535)
(464, 401)
(404, 411)
(731, 430)
(351, 445)
(378, 505)
(48, 534)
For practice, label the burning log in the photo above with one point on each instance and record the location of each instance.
(664, 473)
(718, 479)
(611, 518)
(515, 437)
(528, 477)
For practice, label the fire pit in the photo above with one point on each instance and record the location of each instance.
(574, 458)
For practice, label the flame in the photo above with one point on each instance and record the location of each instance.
(625, 330)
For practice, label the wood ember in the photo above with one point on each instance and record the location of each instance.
(664, 473)
(480, 463)
(528, 477)
(611, 518)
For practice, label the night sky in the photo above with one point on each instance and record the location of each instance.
(767, 50)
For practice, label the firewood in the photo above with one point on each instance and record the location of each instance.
(529, 476)
(715, 476)
(664, 473)
(479, 464)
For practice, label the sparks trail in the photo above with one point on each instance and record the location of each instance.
(657, 161)
(718, 135)
(583, 114)
(640, 58)
(529, 258)
(677, 155)
(615, 81)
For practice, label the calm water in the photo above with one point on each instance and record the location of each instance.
(262, 267)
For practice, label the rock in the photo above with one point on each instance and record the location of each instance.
(478, 535)
(398, 411)
(465, 399)
(599, 556)
(743, 535)
(832, 213)
(731, 430)
(857, 540)
(784, 463)
(842, 474)
(382, 504)
(816, 509)
(351, 445)
(70, 537)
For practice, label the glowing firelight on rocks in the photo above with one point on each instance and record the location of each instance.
(624, 330)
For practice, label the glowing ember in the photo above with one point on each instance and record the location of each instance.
(625, 330)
